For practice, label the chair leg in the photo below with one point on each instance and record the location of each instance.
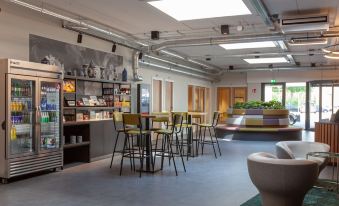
(131, 148)
(163, 151)
(155, 149)
(143, 142)
(209, 130)
(171, 154)
(151, 152)
(198, 141)
(215, 135)
(203, 141)
(115, 146)
(123, 154)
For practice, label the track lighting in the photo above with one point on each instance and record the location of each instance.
(114, 47)
(79, 40)
(140, 55)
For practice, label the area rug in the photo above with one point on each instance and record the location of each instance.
(315, 197)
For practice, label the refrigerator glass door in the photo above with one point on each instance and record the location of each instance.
(21, 107)
(50, 107)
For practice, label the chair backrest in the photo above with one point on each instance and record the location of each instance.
(184, 116)
(177, 120)
(215, 120)
(161, 117)
(117, 117)
(132, 120)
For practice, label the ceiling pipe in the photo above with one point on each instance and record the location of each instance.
(305, 53)
(177, 71)
(263, 13)
(275, 36)
(177, 64)
(295, 68)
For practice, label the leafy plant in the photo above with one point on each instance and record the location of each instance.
(258, 105)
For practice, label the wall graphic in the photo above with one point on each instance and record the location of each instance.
(71, 56)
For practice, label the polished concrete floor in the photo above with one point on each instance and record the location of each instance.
(208, 181)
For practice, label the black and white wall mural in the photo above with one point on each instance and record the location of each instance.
(73, 58)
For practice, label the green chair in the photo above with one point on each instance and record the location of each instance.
(213, 139)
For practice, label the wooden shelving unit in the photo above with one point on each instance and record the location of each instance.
(116, 95)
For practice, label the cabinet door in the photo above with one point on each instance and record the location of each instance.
(21, 115)
(50, 114)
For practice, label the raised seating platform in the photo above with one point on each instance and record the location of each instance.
(259, 133)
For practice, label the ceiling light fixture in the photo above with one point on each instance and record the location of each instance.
(249, 45)
(140, 56)
(172, 54)
(331, 56)
(114, 47)
(267, 60)
(202, 9)
(307, 41)
(79, 39)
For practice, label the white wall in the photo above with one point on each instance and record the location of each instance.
(17, 23)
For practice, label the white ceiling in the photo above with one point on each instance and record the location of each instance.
(137, 18)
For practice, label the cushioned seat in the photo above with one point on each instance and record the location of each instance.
(164, 131)
(205, 125)
(137, 132)
(281, 182)
(299, 149)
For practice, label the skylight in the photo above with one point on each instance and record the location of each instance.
(267, 60)
(249, 45)
(182, 10)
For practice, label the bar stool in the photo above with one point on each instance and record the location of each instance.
(187, 126)
(117, 118)
(203, 141)
(168, 142)
(162, 118)
(134, 120)
(195, 124)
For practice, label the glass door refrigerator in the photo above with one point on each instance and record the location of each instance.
(30, 114)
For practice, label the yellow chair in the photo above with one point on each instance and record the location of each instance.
(187, 126)
(202, 139)
(162, 118)
(133, 128)
(167, 142)
(117, 118)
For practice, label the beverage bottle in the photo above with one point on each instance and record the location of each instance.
(13, 133)
(13, 90)
(47, 117)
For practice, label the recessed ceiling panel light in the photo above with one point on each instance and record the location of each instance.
(249, 45)
(183, 10)
(267, 60)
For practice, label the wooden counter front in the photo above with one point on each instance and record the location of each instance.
(328, 133)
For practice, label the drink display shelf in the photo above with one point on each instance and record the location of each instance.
(90, 107)
(85, 121)
(68, 145)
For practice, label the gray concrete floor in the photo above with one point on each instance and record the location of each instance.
(208, 181)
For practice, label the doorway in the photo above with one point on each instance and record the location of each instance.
(323, 101)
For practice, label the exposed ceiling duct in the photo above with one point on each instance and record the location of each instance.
(295, 68)
(262, 11)
(76, 25)
(295, 53)
(176, 70)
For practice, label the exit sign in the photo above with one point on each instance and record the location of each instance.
(273, 81)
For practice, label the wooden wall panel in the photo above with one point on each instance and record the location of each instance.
(223, 101)
(328, 133)
(157, 96)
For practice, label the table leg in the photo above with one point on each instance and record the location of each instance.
(148, 146)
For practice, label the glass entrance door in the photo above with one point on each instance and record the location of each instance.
(21, 107)
(323, 101)
(50, 101)
(273, 92)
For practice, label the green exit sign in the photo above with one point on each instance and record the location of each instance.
(273, 81)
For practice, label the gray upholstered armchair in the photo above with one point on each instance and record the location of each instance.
(281, 182)
(299, 150)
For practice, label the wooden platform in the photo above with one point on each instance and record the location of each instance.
(259, 133)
